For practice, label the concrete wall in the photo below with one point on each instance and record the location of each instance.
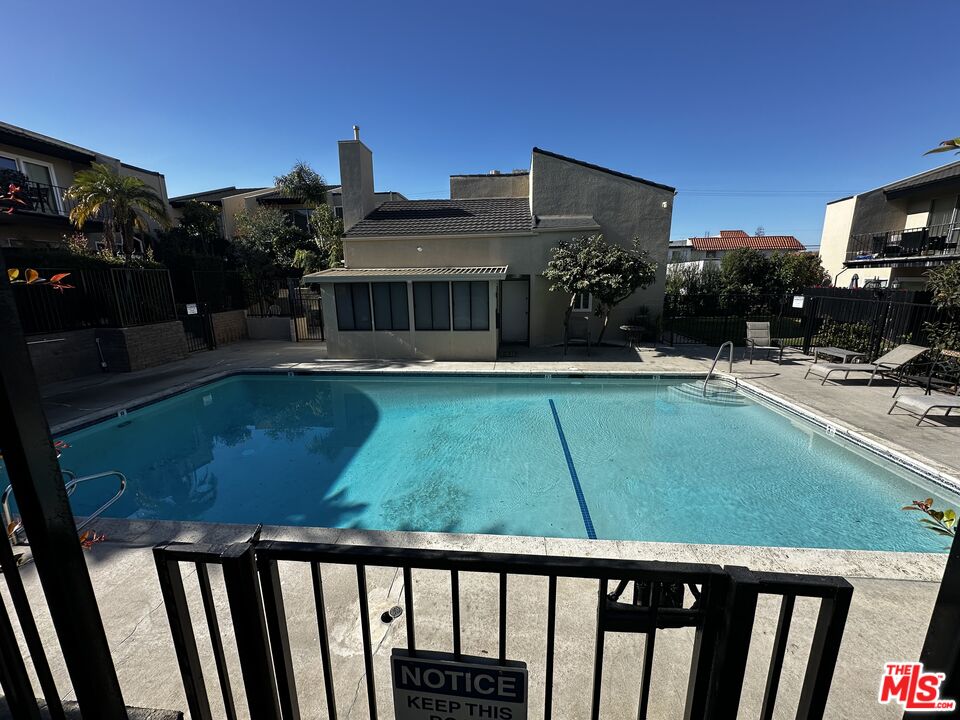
(64, 356)
(837, 223)
(874, 213)
(413, 343)
(136, 348)
(356, 178)
(229, 327)
(489, 186)
(624, 208)
(270, 328)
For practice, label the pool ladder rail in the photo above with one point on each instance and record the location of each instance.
(716, 360)
(71, 486)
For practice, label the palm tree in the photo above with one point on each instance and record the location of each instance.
(125, 201)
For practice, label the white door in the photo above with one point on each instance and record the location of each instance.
(515, 311)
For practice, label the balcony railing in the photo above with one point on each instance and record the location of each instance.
(893, 246)
(42, 199)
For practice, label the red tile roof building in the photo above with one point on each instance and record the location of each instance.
(734, 239)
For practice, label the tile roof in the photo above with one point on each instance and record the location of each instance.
(734, 239)
(435, 273)
(446, 217)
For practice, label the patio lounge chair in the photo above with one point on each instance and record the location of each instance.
(892, 364)
(758, 338)
(923, 404)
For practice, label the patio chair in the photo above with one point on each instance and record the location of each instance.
(943, 372)
(922, 404)
(893, 364)
(758, 338)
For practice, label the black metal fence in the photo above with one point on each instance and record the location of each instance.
(110, 297)
(216, 290)
(271, 297)
(872, 323)
(720, 606)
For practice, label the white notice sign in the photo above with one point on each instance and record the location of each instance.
(191, 308)
(798, 301)
(435, 686)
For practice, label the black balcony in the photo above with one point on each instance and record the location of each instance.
(930, 245)
(44, 202)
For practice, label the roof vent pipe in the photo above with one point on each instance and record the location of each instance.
(356, 132)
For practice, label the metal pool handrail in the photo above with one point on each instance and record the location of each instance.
(70, 486)
(715, 360)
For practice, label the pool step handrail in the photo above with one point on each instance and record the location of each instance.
(70, 486)
(716, 360)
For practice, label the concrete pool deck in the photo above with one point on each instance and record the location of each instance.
(893, 592)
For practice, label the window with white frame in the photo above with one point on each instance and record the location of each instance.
(41, 193)
(583, 302)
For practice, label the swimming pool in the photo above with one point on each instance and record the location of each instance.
(614, 458)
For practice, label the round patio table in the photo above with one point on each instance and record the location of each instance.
(634, 334)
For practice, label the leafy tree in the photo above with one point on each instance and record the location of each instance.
(791, 272)
(266, 240)
(746, 274)
(610, 273)
(327, 231)
(198, 232)
(689, 280)
(303, 183)
(126, 201)
(944, 284)
(760, 231)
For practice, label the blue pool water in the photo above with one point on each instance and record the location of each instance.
(637, 459)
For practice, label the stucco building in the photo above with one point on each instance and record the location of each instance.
(892, 235)
(459, 278)
(700, 252)
(44, 167)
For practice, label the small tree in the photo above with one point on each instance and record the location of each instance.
(944, 285)
(303, 183)
(266, 241)
(760, 231)
(610, 273)
(327, 231)
(127, 201)
(791, 272)
(746, 274)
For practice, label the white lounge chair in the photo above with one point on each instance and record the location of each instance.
(893, 363)
(923, 404)
(758, 338)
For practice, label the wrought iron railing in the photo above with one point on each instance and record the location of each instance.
(720, 610)
(43, 199)
(893, 245)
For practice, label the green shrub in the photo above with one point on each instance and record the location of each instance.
(848, 335)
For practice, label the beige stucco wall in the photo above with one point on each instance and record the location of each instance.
(489, 186)
(420, 344)
(837, 223)
(624, 209)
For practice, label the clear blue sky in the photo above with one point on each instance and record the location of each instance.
(758, 112)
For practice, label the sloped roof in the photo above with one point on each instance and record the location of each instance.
(446, 217)
(735, 239)
(602, 169)
(939, 174)
(214, 197)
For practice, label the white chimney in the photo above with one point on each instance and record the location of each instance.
(356, 180)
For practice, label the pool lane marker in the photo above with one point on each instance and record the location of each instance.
(584, 510)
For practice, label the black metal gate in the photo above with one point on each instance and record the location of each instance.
(306, 311)
(719, 604)
(197, 326)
